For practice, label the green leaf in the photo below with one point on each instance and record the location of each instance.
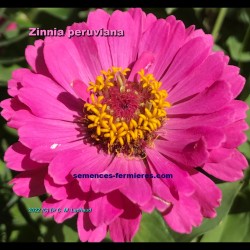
(11, 33)
(235, 50)
(245, 149)
(248, 117)
(242, 201)
(198, 12)
(5, 73)
(33, 202)
(2, 168)
(65, 234)
(243, 16)
(234, 228)
(23, 20)
(229, 191)
(4, 144)
(216, 47)
(10, 131)
(248, 12)
(170, 10)
(248, 111)
(5, 174)
(61, 13)
(153, 229)
(17, 217)
(25, 233)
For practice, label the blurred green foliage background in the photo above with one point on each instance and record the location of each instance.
(231, 31)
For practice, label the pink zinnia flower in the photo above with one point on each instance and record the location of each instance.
(155, 101)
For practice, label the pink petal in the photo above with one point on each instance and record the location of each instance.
(162, 195)
(217, 119)
(7, 111)
(125, 227)
(17, 157)
(190, 31)
(88, 52)
(183, 215)
(195, 52)
(97, 20)
(25, 78)
(14, 84)
(143, 190)
(240, 108)
(236, 81)
(80, 89)
(21, 116)
(85, 184)
(107, 185)
(46, 152)
(235, 135)
(202, 77)
(125, 185)
(66, 68)
(30, 183)
(158, 47)
(60, 217)
(110, 203)
(45, 131)
(193, 154)
(180, 181)
(148, 207)
(83, 161)
(64, 107)
(142, 20)
(58, 192)
(163, 40)
(34, 56)
(150, 18)
(226, 164)
(141, 23)
(30, 79)
(11, 107)
(118, 45)
(87, 231)
(212, 136)
(210, 100)
(143, 62)
(181, 211)
(98, 234)
(206, 193)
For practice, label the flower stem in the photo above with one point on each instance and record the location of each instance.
(219, 21)
(14, 39)
(12, 60)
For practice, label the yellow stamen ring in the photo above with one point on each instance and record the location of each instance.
(149, 117)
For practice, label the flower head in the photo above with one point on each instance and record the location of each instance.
(156, 101)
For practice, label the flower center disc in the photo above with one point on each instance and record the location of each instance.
(123, 116)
